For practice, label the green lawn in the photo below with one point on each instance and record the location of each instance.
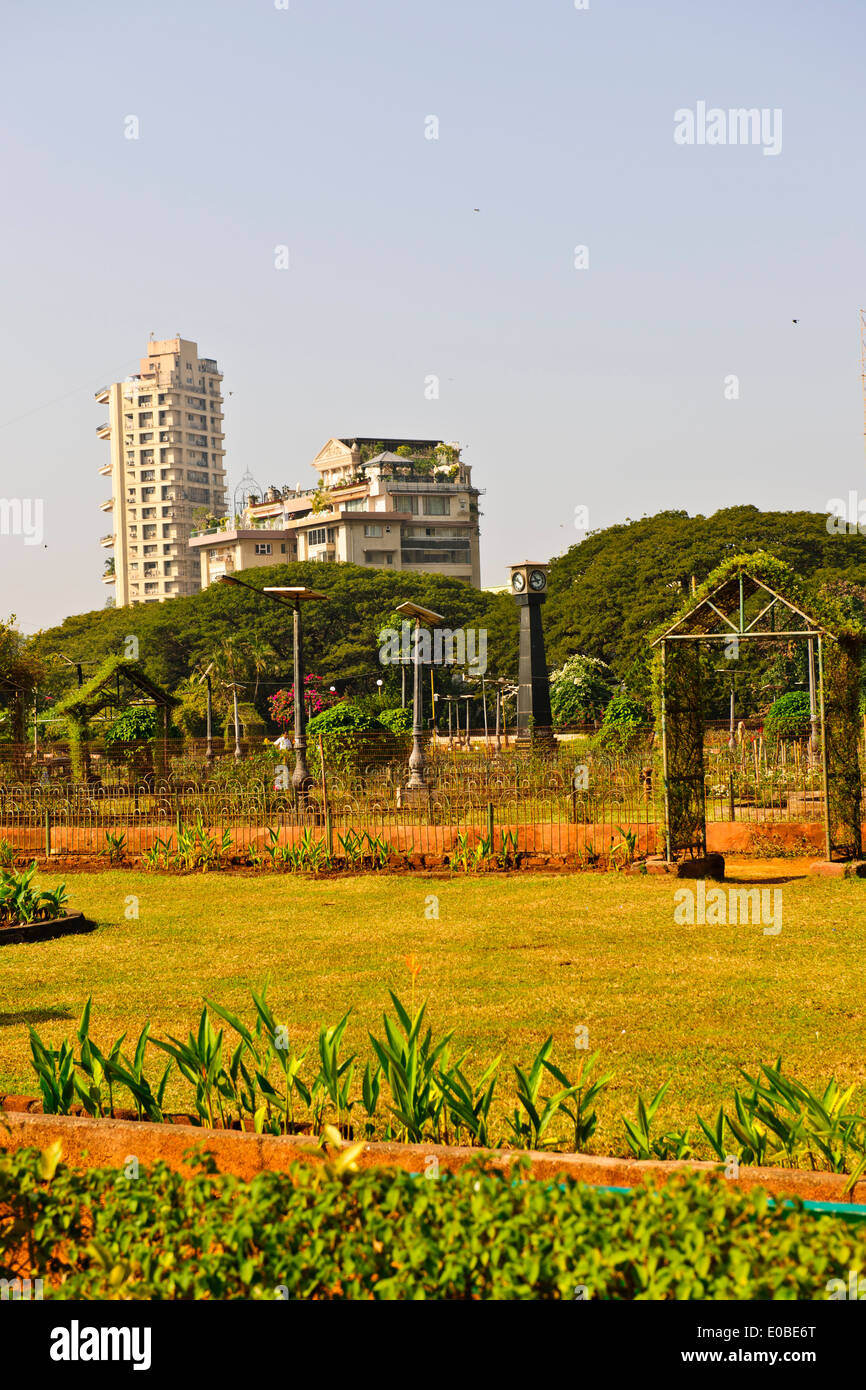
(508, 961)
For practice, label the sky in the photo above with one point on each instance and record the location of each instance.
(433, 170)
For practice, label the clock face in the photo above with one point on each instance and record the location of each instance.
(518, 582)
(537, 579)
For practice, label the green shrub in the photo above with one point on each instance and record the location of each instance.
(399, 721)
(317, 1233)
(134, 725)
(351, 736)
(788, 717)
(624, 728)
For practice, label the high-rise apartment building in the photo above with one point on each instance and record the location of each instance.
(165, 427)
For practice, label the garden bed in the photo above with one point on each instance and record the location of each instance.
(72, 924)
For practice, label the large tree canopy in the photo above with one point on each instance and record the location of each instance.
(606, 596)
(224, 623)
(611, 591)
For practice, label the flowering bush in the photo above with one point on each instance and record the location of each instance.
(580, 690)
(316, 698)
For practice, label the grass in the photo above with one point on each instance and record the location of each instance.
(509, 960)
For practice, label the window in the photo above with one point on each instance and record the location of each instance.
(379, 557)
(437, 506)
(197, 477)
(318, 536)
(148, 475)
(408, 504)
(148, 511)
(358, 504)
(263, 548)
(371, 529)
(199, 494)
(148, 550)
(148, 533)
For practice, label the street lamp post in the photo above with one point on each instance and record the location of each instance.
(237, 722)
(416, 781)
(484, 708)
(209, 751)
(467, 698)
(292, 597)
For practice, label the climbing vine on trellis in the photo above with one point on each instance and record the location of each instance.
(677, 698)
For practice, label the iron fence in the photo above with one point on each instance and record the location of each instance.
(570, 803)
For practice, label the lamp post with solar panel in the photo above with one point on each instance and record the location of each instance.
(416, 781)
(292, 597)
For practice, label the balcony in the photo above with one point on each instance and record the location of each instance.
(101, 396)
(107, 505)
(104, 430)
(105, 470)
(430, 484)
(109, 578)
(107, 541)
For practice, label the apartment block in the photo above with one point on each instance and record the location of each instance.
(165, 428)
(391, 504)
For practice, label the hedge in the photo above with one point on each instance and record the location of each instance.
(313, 1233)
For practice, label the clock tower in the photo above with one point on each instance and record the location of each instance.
(534, 720)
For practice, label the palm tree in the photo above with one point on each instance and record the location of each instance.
(262, 659)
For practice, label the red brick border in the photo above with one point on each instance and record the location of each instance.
(91, 1143)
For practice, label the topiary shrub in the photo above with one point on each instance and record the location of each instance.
(351, 737)
(788, 717)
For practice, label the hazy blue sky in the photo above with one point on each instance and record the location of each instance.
(602, 387)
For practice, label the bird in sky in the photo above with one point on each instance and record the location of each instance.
(795, 320)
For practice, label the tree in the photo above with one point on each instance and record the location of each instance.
(614, 588)
(20, 674)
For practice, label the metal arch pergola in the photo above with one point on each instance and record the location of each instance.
(721, 616)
